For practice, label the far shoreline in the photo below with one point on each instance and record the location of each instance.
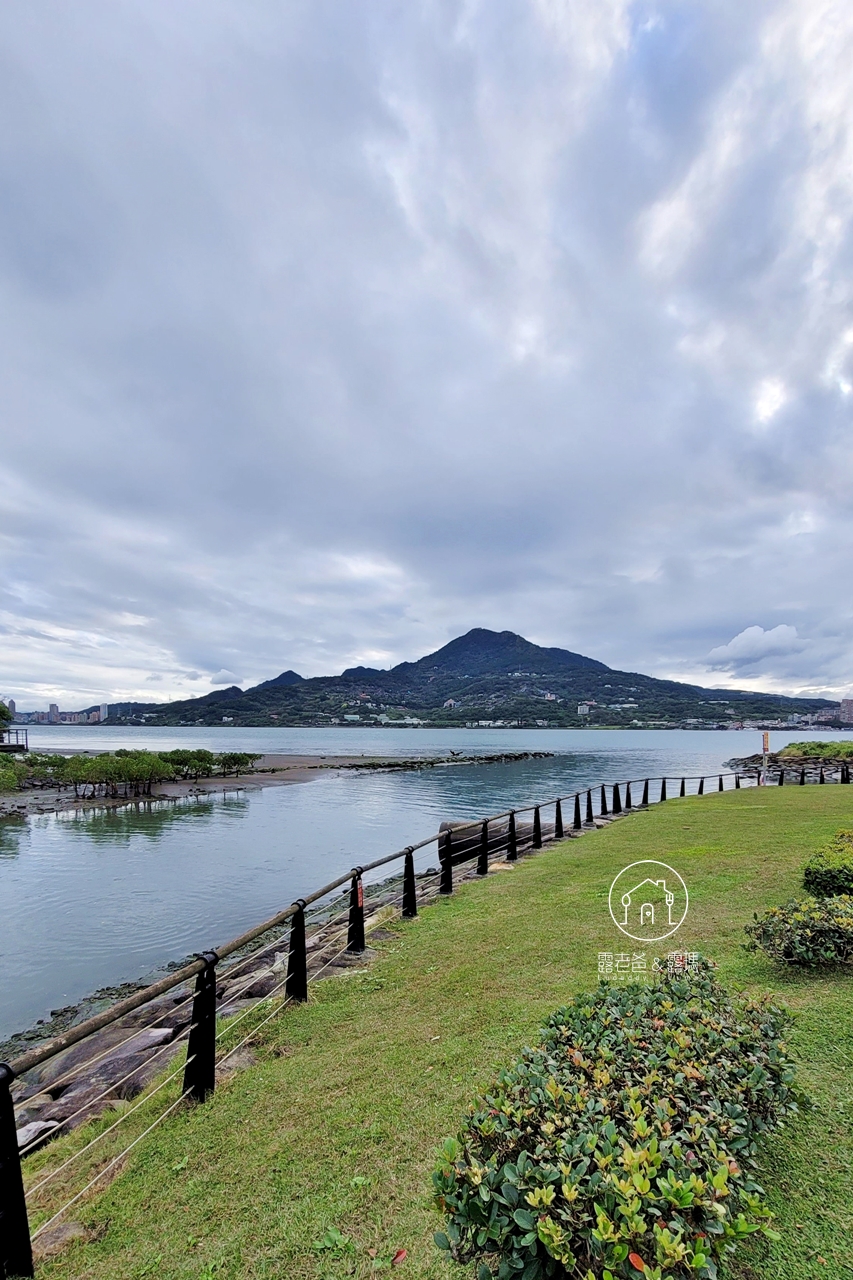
(273, 769)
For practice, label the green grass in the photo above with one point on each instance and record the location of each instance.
(337, 1124)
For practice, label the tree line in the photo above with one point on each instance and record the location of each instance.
(120, 773)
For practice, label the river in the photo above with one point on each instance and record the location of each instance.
(98, 898)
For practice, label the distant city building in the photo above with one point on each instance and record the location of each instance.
(11, 705)
(352, 717)
(583, 708)
(104, 711)
(845, 711)
(452, 703)
(53, 714)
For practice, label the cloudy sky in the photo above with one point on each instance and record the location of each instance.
(331, 330)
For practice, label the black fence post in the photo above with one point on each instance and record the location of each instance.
(781, 777)
(604, 809)
(296, 986)
(410, 896)
(483, 859)
(16, 1255)
(537, 829)
(445, 884)
(821, 779)
(662, 789)
(355, 927)
(701, 790)
(511, 842)
(617, 799)
(645, 800)
(576, 820)
(737, 782)
(802, 777)
(558, 821)
(628, 795)
(845, 774)
(589, 816)
(200, 1071)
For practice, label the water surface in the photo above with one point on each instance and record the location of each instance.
(97, 898)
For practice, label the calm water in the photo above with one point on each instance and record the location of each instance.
(93, 900)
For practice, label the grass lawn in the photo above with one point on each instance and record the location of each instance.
(337, 1124)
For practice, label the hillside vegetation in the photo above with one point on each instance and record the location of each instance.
(485, 676)
(315, 1163)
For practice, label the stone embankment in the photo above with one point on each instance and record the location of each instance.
(793, 766)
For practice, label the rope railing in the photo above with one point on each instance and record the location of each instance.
(484, 841)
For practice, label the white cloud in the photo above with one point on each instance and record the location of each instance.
(224, 677)
(753, 644)
(770, 398)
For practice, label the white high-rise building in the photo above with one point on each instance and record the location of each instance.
(845, 715)
(105, 711)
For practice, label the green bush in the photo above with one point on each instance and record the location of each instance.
(818, 750)
(814, 932)
(829, 871)
(8, 778)
(134, 771)
(621, 1145)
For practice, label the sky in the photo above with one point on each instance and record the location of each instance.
(329, 331)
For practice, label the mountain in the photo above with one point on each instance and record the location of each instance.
(481, 652)
(286, 677)
(492, 676)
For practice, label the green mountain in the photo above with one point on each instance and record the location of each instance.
(482, 676)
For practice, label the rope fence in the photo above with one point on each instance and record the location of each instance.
(309, 937)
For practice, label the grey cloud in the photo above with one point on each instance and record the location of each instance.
(335, 332)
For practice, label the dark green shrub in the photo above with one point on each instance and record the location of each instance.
(816, 931)
(621, 1145)
(829, 871)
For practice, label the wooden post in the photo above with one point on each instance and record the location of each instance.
(296, 986)
(355, 926)
(16, 1255)
(200, 1071)
(483, 859)
(410, 896)
(445, 884)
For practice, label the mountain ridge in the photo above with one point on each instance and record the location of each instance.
(483, 677)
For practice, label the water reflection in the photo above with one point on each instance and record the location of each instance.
(147, 819)
(12, 830)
